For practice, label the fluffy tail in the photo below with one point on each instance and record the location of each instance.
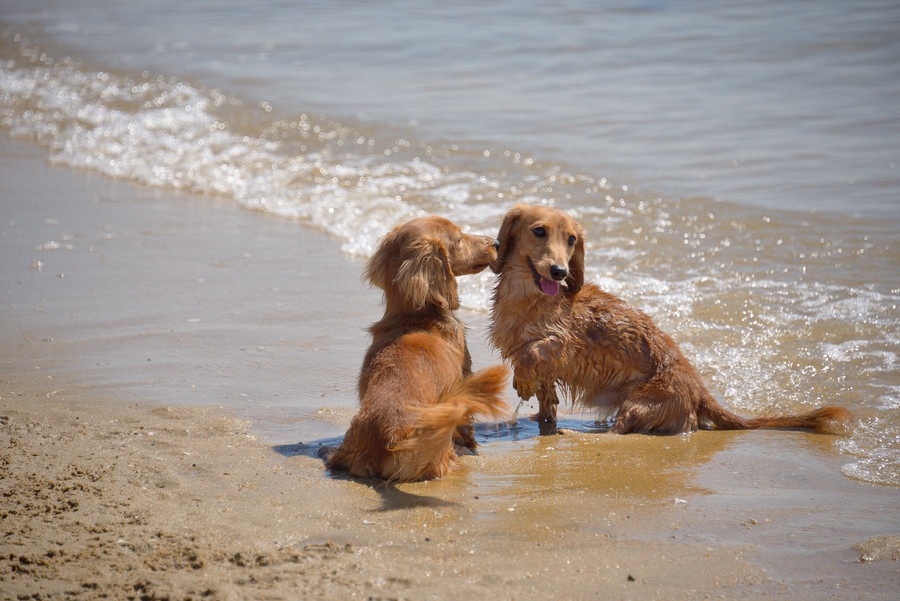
(827, 420)
(428, 453)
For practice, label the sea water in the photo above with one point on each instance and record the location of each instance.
(734, 163)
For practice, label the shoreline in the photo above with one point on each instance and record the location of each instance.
(103, 499)
(147, 330)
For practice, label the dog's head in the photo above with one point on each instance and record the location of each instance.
(416, 264)
(544, 244)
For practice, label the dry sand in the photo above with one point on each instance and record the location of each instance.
(164, 354)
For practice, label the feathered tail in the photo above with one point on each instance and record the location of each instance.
(827, 420)
(428, 452)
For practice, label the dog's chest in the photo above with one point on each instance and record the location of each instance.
(516, 324)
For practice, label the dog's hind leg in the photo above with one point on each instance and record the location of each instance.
(651, 410)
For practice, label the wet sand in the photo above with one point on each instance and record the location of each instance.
(157, 347)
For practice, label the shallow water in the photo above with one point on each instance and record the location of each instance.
(734, 166)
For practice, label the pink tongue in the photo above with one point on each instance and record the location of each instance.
(549, 287)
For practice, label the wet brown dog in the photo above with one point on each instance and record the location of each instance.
(416, 387)
(556, 330)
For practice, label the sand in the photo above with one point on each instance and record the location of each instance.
(171, 363)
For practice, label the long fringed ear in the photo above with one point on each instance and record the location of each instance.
(425, 277)
(505, 237)
(413, 270)
(575, 279)
(379, 270)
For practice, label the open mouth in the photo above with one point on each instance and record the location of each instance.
(548, 287)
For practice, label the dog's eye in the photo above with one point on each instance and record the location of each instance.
(571, 240)
(539, 232)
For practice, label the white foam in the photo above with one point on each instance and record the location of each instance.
(169, 134)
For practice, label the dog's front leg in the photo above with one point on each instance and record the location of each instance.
(527, 385)
(464, 440)
(547, 403)
(524, 382)
(533, 367)
(527, 370)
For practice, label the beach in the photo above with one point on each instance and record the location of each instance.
(143, 335)
(724, 164)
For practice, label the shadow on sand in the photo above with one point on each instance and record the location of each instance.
(392, 498)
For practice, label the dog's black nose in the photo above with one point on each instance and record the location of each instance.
(558, 273)
(496, 245)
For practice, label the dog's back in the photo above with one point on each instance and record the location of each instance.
(415, 386)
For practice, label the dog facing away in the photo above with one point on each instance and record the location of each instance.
(416, 388)
(557, 330)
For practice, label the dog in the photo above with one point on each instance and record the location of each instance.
(418, 395)
(555, 329)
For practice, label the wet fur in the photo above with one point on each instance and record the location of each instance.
(605, 354)
(416, 387)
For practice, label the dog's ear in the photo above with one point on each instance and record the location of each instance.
(425, 276)
(506, 237)
(380, 267)
(575, 279)
(414, 270)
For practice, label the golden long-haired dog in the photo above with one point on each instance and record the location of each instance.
(416, 388)
(557, 330)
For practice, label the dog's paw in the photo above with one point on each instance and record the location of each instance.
(464, 438)
(526, 388)
(464, 451)
(325, 453)
(546, 425)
